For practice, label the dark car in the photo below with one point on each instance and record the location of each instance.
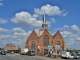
(30, 53)
(77, 56)
(3, 52)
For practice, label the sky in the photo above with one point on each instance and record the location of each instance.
(19, 17)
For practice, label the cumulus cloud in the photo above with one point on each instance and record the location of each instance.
(53, 20)
(35, 16)
(3, 30)
(71, 38)
(17, 36)
(50, 10)
(3, 21)
(75, 28)
(25, 19)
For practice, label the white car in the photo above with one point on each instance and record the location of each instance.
(66, 55)
(12, 52)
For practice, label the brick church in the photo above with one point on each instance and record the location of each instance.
(40, 42)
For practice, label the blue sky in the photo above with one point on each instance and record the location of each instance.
(19, 17)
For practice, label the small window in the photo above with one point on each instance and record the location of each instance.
(58, 43)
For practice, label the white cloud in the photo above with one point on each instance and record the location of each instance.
(25, 19)
(75, 28)
(50, 10)
(71, 38)
(3, 21)
(17, 36)
(66, 26)
(35, 16)
(53, 20)
(19, 30)
(3, 30)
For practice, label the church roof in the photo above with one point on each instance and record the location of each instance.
(57, 34)
(45, 32)
(33, 35)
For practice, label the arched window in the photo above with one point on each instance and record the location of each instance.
(58, 43)
(33, 45)
(46, 40)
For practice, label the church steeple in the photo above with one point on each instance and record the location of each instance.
(44, 19)
(44, 25)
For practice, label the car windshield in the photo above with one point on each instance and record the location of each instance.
(64, 53)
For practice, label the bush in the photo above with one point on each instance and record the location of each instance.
(16, 51)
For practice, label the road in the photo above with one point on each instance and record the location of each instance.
(24, 57)
(17, 57)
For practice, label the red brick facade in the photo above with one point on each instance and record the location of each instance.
(39, 40)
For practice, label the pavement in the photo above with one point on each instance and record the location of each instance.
(16, 56)
(48, 58)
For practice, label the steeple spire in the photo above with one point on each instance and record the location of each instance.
(44, 25)
(44, 18)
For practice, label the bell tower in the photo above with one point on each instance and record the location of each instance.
(44, 25)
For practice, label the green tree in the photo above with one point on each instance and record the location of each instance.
(0, 48)
(76, 51)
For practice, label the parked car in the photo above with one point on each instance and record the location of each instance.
(77, 56)
(3, 52)
(10, 52)
(66, 55)
(24, 51)
(30, 53)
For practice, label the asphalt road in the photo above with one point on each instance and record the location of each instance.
(18, 57)
(24, 57)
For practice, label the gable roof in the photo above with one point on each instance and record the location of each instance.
(33, 35)
(45, 31)
(57, 34)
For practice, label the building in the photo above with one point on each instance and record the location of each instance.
(41, 43)
(10, 47)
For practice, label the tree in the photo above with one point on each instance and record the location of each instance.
(1, 48)
(74, 50)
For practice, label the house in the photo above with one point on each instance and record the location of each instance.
(10, 46)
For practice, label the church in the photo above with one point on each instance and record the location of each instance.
(41, 42)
